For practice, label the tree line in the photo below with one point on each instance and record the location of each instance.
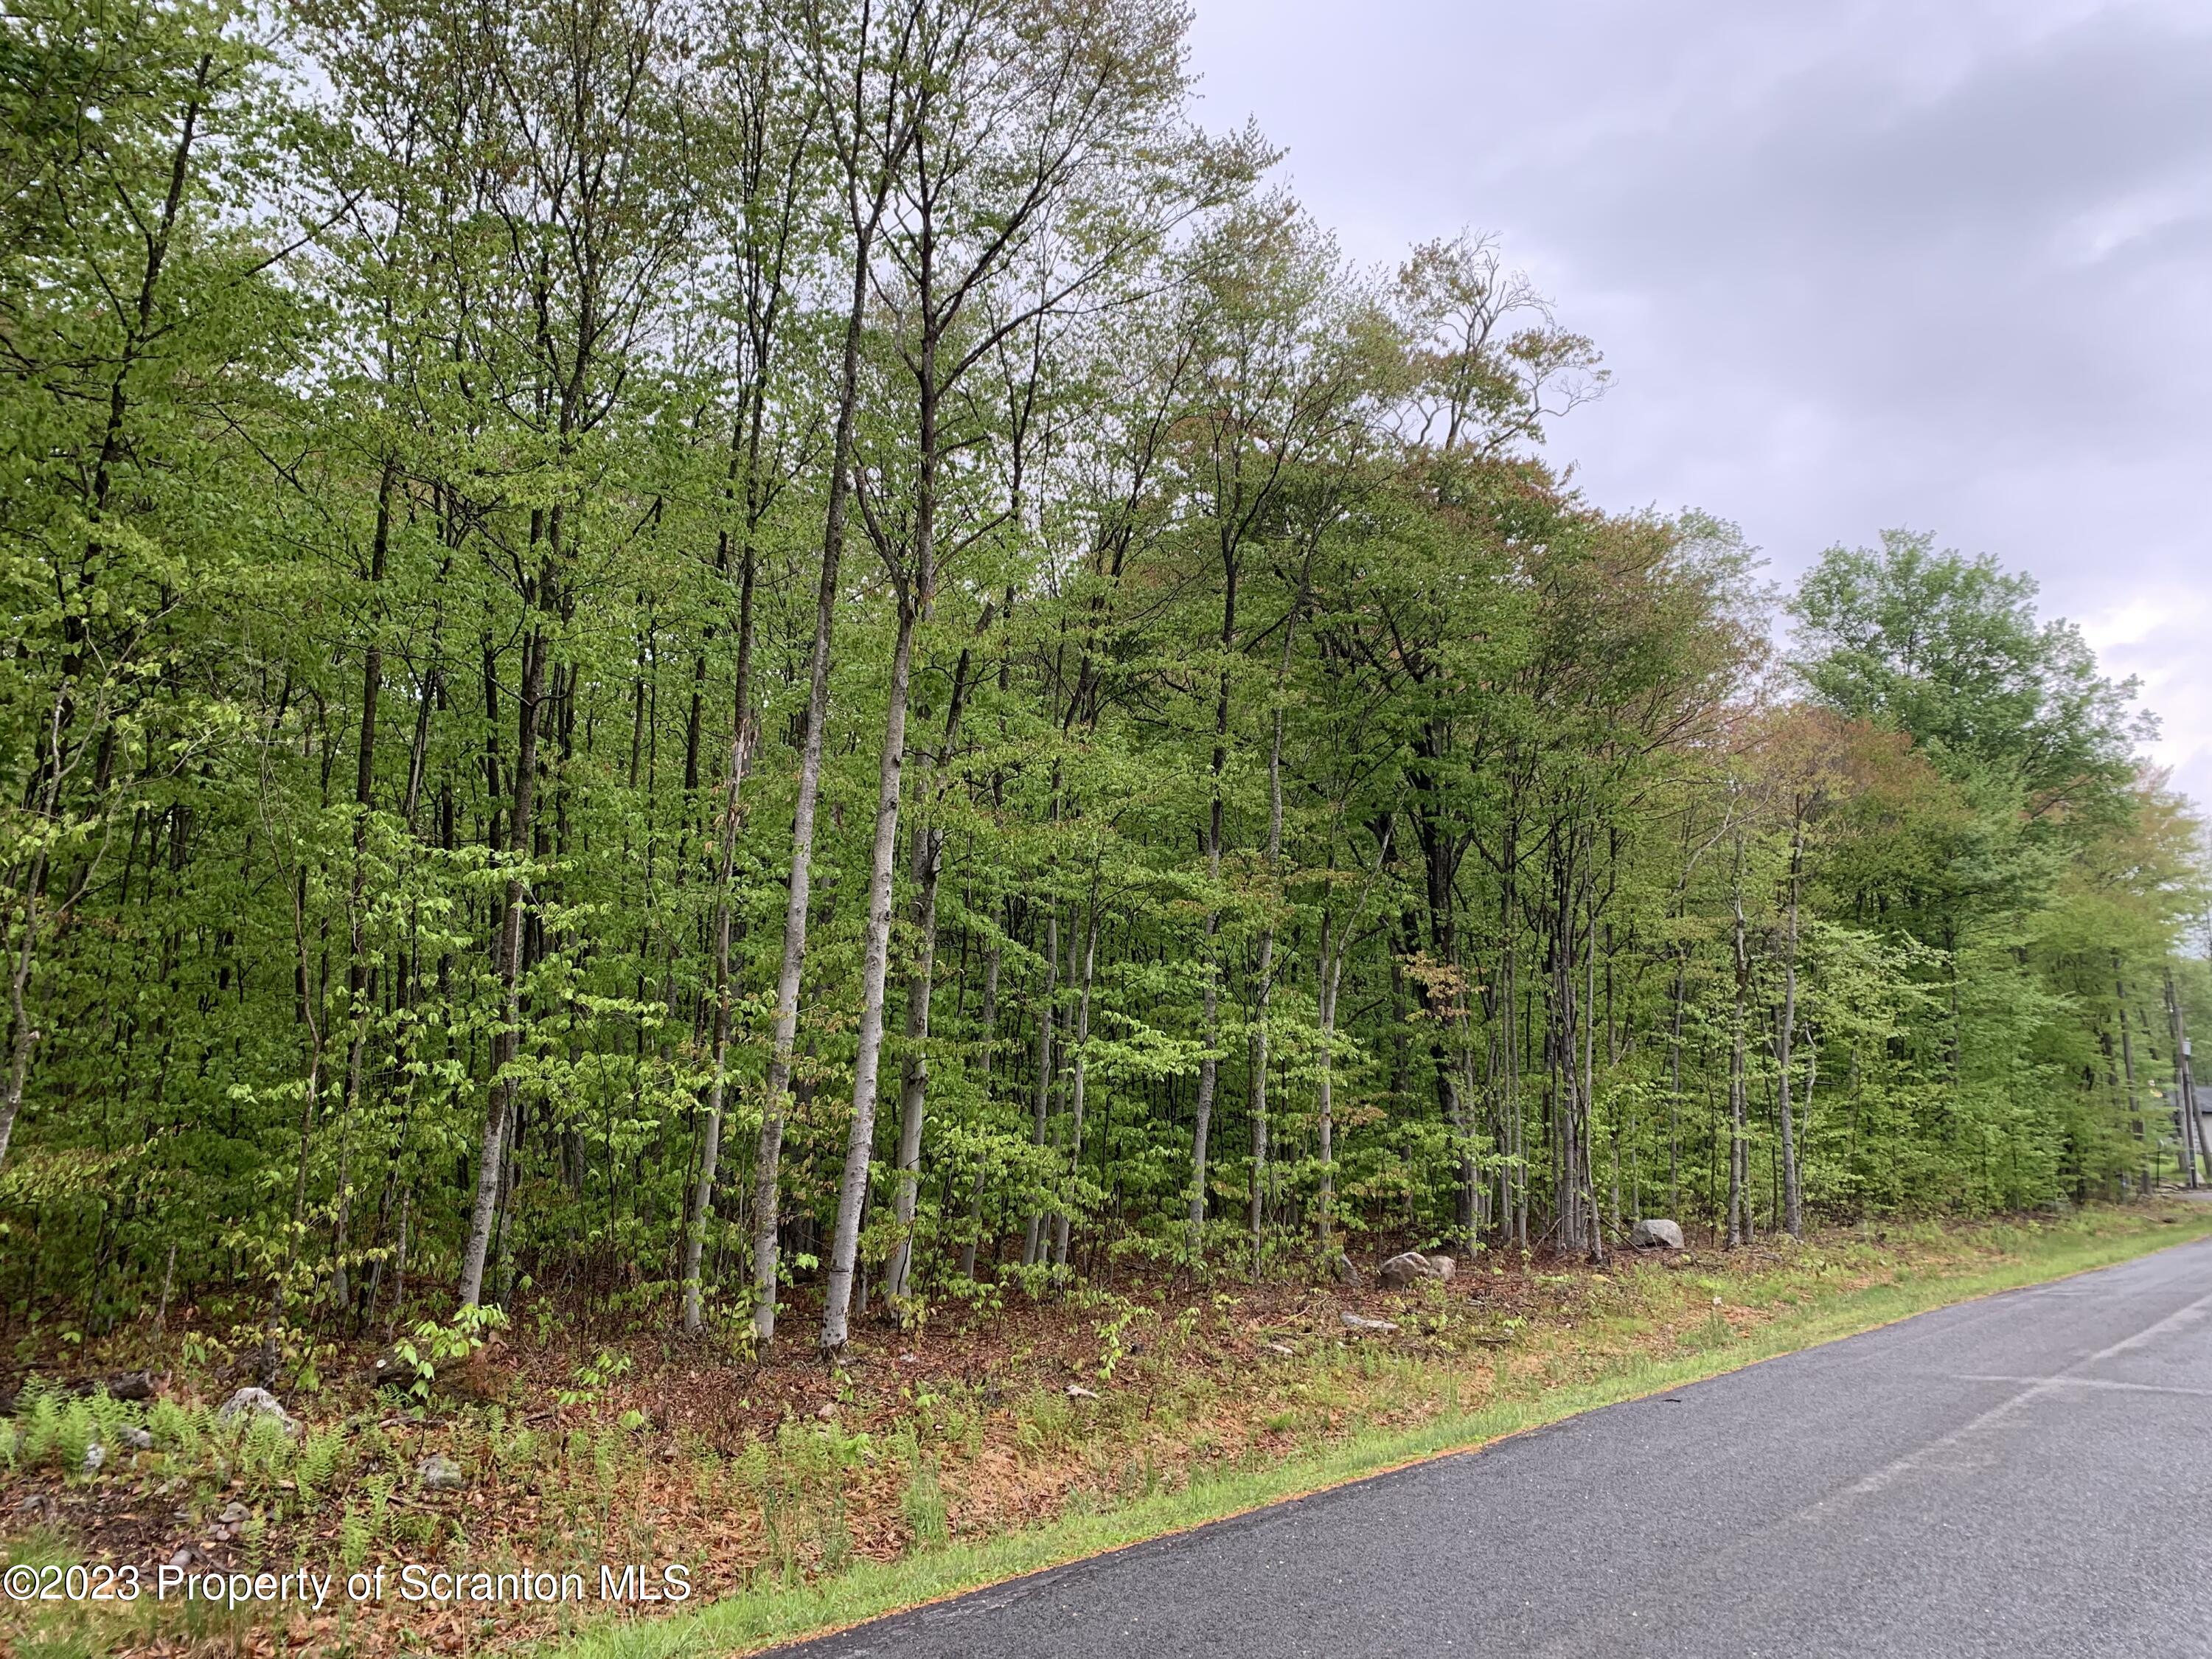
(679, 659)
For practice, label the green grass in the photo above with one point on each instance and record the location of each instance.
(761, 1618)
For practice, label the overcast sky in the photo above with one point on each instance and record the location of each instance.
(1939, 264)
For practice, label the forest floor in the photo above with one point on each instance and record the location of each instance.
(994, 1441)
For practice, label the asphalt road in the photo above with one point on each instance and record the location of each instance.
(2028, 1474)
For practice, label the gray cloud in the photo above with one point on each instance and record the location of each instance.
(1941, 263)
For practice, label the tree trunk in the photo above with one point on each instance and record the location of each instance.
(988, 1020)
(710, 1149)
(1327, 981)
(1033, 1236)
(1075, 1086)
(1264, 972)
(1674, 1083)
(776, 1088)
(742, 740)
(928, 866)
(1738, 1196)
(357, 975)
(2186, 1119)
(1210, 966)
(22, 1036)
(860, 1140)
(914, 1072)
(505, 1041)
(1793, 1211)
(1590, 1080)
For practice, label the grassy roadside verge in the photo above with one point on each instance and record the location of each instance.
(994, 1443)
(1779, 1316)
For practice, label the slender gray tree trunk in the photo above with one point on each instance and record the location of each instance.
(1209, 1068)
(1739, 1197)
(1076, 1074)
(359, 979)
(491, 1157)
(1792, 1206)
(1032, 1238)
(913, 1071)
(1327, 981)
(988, 1020)
(1263, 990)
(1589, 1078)
(710, 1148)
(875, 961)
(776, 1090)
(928, 867)
(23, 1036)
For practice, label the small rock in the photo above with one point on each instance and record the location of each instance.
(1077, 1391)
(390, 1371)
(187, 1557)
(39, 1508)
(1656, 1234)
(828, 1412)
(1353, 1321)
(94, 1455)
(135, 1439)
(1443, 1266)
(134, 1385)
(439, 1473)
(253, 1403)
(1345, 1273)
(1282, 1348)
(234, 1515)
(1410, 1266)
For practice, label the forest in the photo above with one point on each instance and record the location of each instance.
(731, 666)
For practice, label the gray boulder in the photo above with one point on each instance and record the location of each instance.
(439, 1473)
(1411, 1266)
(253, 1404)
(1656, 1235)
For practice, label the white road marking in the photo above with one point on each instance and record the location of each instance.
(2087, 1382)
(2180, 1319)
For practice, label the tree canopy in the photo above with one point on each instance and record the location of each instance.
(675, 662)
